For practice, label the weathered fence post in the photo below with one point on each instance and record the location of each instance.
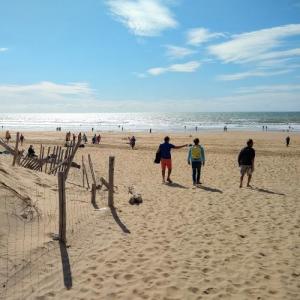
(62, 207)
(16, 149)
(93, 196)
(111, 181)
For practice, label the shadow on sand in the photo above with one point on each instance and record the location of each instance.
(176, 185)
(209, 189)
(118, 221)
(266, 191)
(68, 282)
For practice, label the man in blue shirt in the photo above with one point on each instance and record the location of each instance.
(166, 160)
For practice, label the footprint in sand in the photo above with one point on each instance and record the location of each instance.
(128, 276)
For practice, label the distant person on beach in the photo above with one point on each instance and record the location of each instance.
(98, 139)
(94, 139)
(166, 160)
(263, 128)
(132, 141)
(287, 141)
(7, 136)
(68, 136)
(150, 130)
(31, 152)
(21, 139)
(84, 138)
(196, 157)
(246, 162)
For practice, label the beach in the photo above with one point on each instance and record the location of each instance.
(215, 241)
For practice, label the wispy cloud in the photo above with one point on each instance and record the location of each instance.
(79, 97)
(188, 67)
(255, 73)
(48, 88)
(45, 94)
(175, 52)
(3, 49)
(197, 36)
(256, 45)
(143, 17)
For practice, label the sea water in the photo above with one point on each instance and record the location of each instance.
(158, 122)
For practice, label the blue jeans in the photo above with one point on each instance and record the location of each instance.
(196, 166)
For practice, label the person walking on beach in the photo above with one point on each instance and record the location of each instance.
(21, 139)
(94, 139)
(98, 139)
(166, 160)
(84, 138)
(287, 141)
(7, 136)
(196, 157)
(132, 141)
(246, 162)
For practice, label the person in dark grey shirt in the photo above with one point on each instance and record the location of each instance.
(246, 162)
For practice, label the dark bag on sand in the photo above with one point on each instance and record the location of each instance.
(157, 157)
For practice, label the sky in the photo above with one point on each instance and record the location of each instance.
(149, 55)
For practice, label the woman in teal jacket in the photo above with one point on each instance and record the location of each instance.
(196, 157)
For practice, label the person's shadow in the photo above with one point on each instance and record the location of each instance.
(176, 185)
(209, 189)
(266, 191)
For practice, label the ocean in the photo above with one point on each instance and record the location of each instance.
(158, 122)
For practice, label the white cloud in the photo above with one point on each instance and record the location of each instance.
(47, 88)
(197, 36)
(256, 45)
(175, 52)
(3, 49)
(143, 17)
(256, 73)
(188, 67)
(45, 95)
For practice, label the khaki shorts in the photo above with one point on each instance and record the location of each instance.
(246, 170)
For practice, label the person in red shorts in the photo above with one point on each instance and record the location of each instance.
(166, 160)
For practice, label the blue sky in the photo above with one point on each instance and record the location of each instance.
(149, 55)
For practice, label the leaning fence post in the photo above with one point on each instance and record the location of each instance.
(93, 195)
(111, 181)
(62, 207)
(16, 149)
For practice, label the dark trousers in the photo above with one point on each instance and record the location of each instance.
(196, 166)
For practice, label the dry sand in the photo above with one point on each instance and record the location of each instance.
(213, 242)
